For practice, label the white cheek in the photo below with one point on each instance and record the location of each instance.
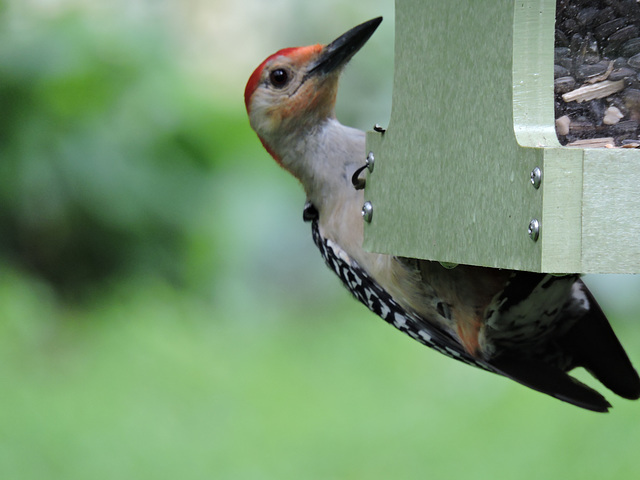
(264, 115)
(264, 125)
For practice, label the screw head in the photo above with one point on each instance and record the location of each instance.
(370, 161)
(536, 177)
(367, 211)
(534, 229)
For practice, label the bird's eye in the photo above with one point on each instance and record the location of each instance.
(279, 77)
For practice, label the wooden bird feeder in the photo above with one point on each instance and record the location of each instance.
(470, 168)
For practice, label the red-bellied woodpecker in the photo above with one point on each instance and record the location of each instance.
(530, 327)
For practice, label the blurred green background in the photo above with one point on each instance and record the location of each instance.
(163, 312)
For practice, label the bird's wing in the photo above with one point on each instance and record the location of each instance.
(556, 326)
(584, 342)
(529, 310)
(379, 301)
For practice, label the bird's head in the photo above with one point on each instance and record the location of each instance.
(295, 88)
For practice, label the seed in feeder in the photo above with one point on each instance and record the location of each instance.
(589, 50)
(585, 72)
(631, 47)
(575, 44)
(606, 142)
(561, 52)
(626, 128)
(612, 115)
(603, 37)
(561, 39)
(596, 111)
(609, 28)
(564, 84)
(586, 16)
(634, 61)
(591, 92)
(570, 26)
(620, 62)
(621, 73)
(582, 127)
(604, 75)
(606, 14)
(631, 99)
(562, 125)
(560, 71)
(624, 34)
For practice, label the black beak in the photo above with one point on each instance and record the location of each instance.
(343, 48)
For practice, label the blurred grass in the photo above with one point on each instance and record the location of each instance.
(150, 383)
(163, 312)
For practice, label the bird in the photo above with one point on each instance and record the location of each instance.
(533, 328)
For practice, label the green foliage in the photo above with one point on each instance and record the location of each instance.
(106, 150)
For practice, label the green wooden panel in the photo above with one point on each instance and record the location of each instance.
(472, 115)
(611, 211)
(451, 182)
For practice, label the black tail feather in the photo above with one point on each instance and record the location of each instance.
(593, 345)
(550, 380)
(590, 343)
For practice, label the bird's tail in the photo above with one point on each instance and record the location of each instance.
(590, 343)
(593, 345)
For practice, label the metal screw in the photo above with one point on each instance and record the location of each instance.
(534, 229)
(367, 211)
(379, 128)
(370, 161)
(536, 177)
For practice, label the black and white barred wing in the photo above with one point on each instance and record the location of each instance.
(532, 309)
(378, 300)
